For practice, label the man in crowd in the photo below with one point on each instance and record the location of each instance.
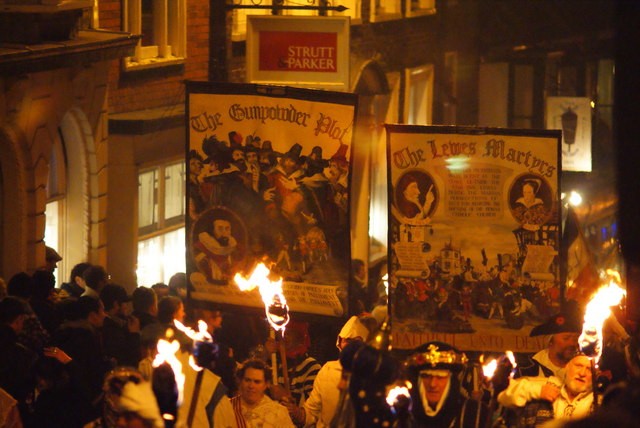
(76, 285)
(95, 277)
(252, 407)
(145, 306)
(564, 330)
(543, 399)
(51, 258)
(322, 404)
(16, 361)
(80, 340)
(437, 400)
(205, 399)
(120, 332)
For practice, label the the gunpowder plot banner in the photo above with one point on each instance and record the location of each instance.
(269, 181)
(474, 235)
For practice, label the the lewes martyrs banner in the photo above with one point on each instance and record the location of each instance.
(474, 235)
(269, 181)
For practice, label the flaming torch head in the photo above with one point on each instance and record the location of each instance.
(275, 304)
(597, 311)
(277, 313)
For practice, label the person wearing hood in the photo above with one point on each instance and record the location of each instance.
(322, 404)
(433, 371)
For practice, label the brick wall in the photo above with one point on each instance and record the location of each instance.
(162, 86)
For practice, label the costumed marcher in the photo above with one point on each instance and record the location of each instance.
(564, 330)
(543, 399)
(205, 402)
(322, 404)
(367, 371)
(302, 369)
(129, 402)
(433, 371)
(252, 407)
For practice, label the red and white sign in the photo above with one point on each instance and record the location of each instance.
(298, 51)
(302, 51)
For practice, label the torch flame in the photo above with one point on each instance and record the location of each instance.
(489, 368)
(202, 335)
(275, 304)
(512, 360)
(398, 391)
(597, 311)
(167, 354)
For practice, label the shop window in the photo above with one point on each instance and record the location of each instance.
(420, 7)
(385, 10)
(418, 97)
(161, 232)
(162, 24)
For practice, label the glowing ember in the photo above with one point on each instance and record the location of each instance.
(275, 305)
(398, 391)
(597, 311)
(167, 354)
(489, 368)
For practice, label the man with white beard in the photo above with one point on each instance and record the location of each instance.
(543, 399)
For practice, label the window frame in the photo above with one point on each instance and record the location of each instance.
(162, 224)
(170, 40)
(395, 13)
(426, 7)
(427, 101)
(162, 227)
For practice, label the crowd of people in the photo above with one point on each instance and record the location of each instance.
(84, 354)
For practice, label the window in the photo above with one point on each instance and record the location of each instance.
(56, 192)
(162, 24)
(418, 97)
(522, 96)
(385, 10)
(161, 232)
(420, 7)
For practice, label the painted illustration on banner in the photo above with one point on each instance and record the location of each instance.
(269, 181)
(474, 235)
(572, 115)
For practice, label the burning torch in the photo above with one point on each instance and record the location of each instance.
(275, 308)
(598, 309)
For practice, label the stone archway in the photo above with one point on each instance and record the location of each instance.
(81, 187)
(15, 218)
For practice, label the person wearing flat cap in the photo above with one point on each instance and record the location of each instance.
(563, 330)
(433, 371)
